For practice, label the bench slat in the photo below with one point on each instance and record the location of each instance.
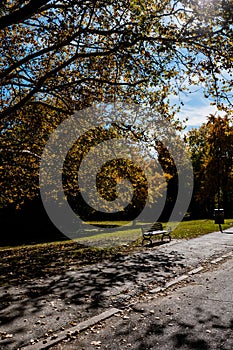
(148, 233)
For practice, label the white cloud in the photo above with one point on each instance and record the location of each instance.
(197, 115)
(196, 108)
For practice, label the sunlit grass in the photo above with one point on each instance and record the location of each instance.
(185, 230)
(195, 228)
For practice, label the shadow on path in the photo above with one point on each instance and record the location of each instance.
(29, 311)
(201, 330)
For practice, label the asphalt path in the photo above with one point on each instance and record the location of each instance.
(38, 311)
(197, 314)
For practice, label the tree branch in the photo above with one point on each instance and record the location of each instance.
(21, 14)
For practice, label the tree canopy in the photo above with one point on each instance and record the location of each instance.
(66, 54)
(62, 56)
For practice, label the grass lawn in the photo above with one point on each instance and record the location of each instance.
(195, 228)
(22, 263)
(185, 229)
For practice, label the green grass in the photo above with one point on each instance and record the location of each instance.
(112, 238)
(26, 262)
(185, 230)
(195, 228)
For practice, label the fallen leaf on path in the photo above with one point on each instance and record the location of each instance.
(96, 343)
(6, 335)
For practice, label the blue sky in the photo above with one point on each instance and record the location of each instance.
(196, 108)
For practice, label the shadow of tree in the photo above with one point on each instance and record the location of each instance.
(206, 331)
(82, 293)
(209, 332)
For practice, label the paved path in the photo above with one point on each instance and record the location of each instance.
(198, 315)
(43, 307)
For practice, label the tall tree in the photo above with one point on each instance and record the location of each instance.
(211, 149)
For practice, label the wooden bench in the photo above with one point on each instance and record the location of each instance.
(155, 230)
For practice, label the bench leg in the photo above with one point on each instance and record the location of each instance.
(166, 235)
(147, 239)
